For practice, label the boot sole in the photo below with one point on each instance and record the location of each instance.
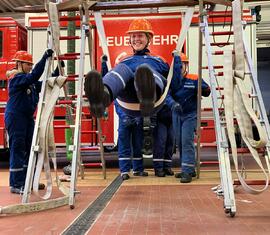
(94, 90)
(145, 83)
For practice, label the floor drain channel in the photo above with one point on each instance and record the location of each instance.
(86, 219)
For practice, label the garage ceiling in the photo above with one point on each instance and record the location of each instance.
(10, 5)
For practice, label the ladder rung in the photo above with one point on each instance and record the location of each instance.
(211, 109)
(69, 37)
(89, 132)
(70, 18)
(207, 127)
(72, 77)
(91, 148)
(208, 162)
(246, 150)
(221, 33)
(219, 74)
(61, 57)
(66, 101)
(208, 145)
(219, 52)
(92, 164)
(63, 126)
(220, 44)
(215, 67)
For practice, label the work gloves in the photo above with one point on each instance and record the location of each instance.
(49, 53)
(104, 58)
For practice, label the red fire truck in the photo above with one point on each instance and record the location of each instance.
(166, 27)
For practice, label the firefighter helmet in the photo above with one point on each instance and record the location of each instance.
(23, 56)
(140, 25)
(184, 57)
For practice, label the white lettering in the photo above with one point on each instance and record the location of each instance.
(157, 40)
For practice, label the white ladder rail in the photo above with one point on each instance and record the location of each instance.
(77, 138)
(222, 143)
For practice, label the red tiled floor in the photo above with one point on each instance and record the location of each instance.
(52, 221)
(181, 209)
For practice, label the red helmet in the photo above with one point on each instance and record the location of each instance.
(184, 57)
(140, 25)
(23, 56)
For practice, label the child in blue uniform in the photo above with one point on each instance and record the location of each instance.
(183, 100)
(24, 89)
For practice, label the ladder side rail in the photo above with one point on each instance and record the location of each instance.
(35, 139)
(257, 88)
(76, 141)
(222, 143)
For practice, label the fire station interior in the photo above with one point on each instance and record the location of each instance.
(88, 194)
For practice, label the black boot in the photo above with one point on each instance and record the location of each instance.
(97, 94)
(146, 89)
(168, 171)
(159, 172)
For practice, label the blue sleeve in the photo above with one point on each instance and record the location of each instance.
(104, 68)
(38, 85)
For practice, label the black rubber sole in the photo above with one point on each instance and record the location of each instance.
(146, 89)
(94, 90)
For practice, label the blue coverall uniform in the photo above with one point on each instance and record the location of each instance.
(163, 139)
(120, 80)
(183, 91)
(23, 99)
(130, 142)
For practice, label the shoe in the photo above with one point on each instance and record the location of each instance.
(125, 177)
(159, 173)
(168, 171)
(17, 190)
(97, 94)
(140, 173)
(67, 170)
(146, 89)
(179, 174)
(186, 178)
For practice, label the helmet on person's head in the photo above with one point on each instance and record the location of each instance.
(23, 56)
(184, 57)
(140, 25)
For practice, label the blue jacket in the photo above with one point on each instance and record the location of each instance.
(24, 90)
(183, 90)
(144, 56)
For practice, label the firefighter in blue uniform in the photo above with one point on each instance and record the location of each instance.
(183, 100)
(130, 143)
(163, 142)
(24, 89)
(137, 81)
(130, 135)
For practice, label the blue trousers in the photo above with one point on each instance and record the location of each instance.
(20, 131)
(163, 146)
(130, 142)
(184, 129)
